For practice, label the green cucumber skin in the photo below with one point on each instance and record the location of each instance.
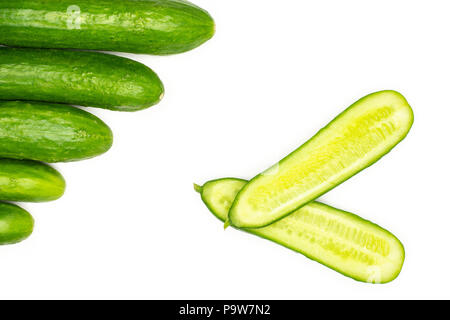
(29, 181)
(264, 232)
(50, 132)
(80, 78)
(233, 207)
(135, 26)
(16, 224)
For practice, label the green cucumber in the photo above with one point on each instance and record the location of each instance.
(29, 181)
(16, 224)
(337, 239)
(354, 140)
(50, 132)
(80, 78)
(137, 26)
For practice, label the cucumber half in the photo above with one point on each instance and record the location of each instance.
(337, 239)
(354, 140)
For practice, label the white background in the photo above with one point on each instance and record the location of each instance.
(130, 224)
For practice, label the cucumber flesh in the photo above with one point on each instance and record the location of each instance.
(354, 140)
(16, 224)
(337, 239)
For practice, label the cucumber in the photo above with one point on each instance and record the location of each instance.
(337, 239)
(16, 224)
(79, 78)
(50, 132)
(136, 26)
(354, 140)
(29, 181)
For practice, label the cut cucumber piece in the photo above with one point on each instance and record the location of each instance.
(354, 140)
(16, 224)
(337, 239)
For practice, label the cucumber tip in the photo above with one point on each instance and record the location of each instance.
(198, 188)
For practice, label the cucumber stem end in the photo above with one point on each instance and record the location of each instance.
(198, 188)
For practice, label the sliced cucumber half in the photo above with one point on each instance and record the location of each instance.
(354, 140)
(340, 240)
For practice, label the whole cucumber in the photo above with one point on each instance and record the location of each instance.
(29, 181)
(16, 224)
(136, 26)
(80, 78)
(50, 132)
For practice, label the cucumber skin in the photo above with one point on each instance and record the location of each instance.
(16, 224)
(135, 26)
(232, 209)
(260, 231)
(79, 78)
(50, 132)
(29, 181)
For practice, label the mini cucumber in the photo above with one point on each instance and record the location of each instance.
(29, 181)
(337, 239)
(80, 78)
(16, 224)
(50, 132)
(354, 140)
(137, 26)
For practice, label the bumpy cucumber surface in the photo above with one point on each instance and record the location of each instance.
(337, 239)
(80, 78)
(16, 224)
(50, 132)
(354, 140)
(137, 26)
(29, 181)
